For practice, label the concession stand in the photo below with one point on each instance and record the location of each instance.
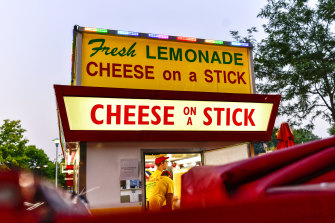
(136, 96)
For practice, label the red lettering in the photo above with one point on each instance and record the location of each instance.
(209, 118)
(115, 69)
(228, 117)
(141, 114)
(158, 118)
(248, 117)
(128, 114)
(93, 117)
(167, 115)
(122, 70)
(193, 110)
(218, 72)
(231, 76)
(88, 68)
(147, 72)
(208, 74)
(105, 69)
(234, 116)
(224, 77)
(230, 80)
(240, 77)
(218, 111)
(125, 70)
(189, 121)
(138, 71)
(117, 114)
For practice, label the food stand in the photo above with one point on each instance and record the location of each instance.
(135, 96)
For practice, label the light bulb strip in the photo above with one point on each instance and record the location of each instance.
(239, 44)
(166, 37)
(218, 42)
(158, 36)
(127, 33)
(188, 39)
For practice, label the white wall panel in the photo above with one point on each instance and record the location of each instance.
(226, 155)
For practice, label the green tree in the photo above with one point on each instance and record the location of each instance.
(331, 130)
(303, 136)
(297, 58)
(39, 163)
(37, 157)
(12, 145)
(16, 154)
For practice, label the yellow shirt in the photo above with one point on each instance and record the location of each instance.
(158, 196)
(151, 183)
(156, 175)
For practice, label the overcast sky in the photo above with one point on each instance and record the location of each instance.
(36, 39)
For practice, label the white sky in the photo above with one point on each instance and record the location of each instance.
(36, 39)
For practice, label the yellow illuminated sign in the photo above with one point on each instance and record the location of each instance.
(118, 114)
(141, 63)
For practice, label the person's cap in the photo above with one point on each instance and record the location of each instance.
(158, 160)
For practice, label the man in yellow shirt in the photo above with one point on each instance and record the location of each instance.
(162, 192)
(161, 164)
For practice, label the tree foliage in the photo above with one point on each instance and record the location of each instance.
(16, 154)
(331, 130)
(12, 145)
(297, 58)
(303, 135)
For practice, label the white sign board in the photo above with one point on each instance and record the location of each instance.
(129, 169)
(120, 114)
